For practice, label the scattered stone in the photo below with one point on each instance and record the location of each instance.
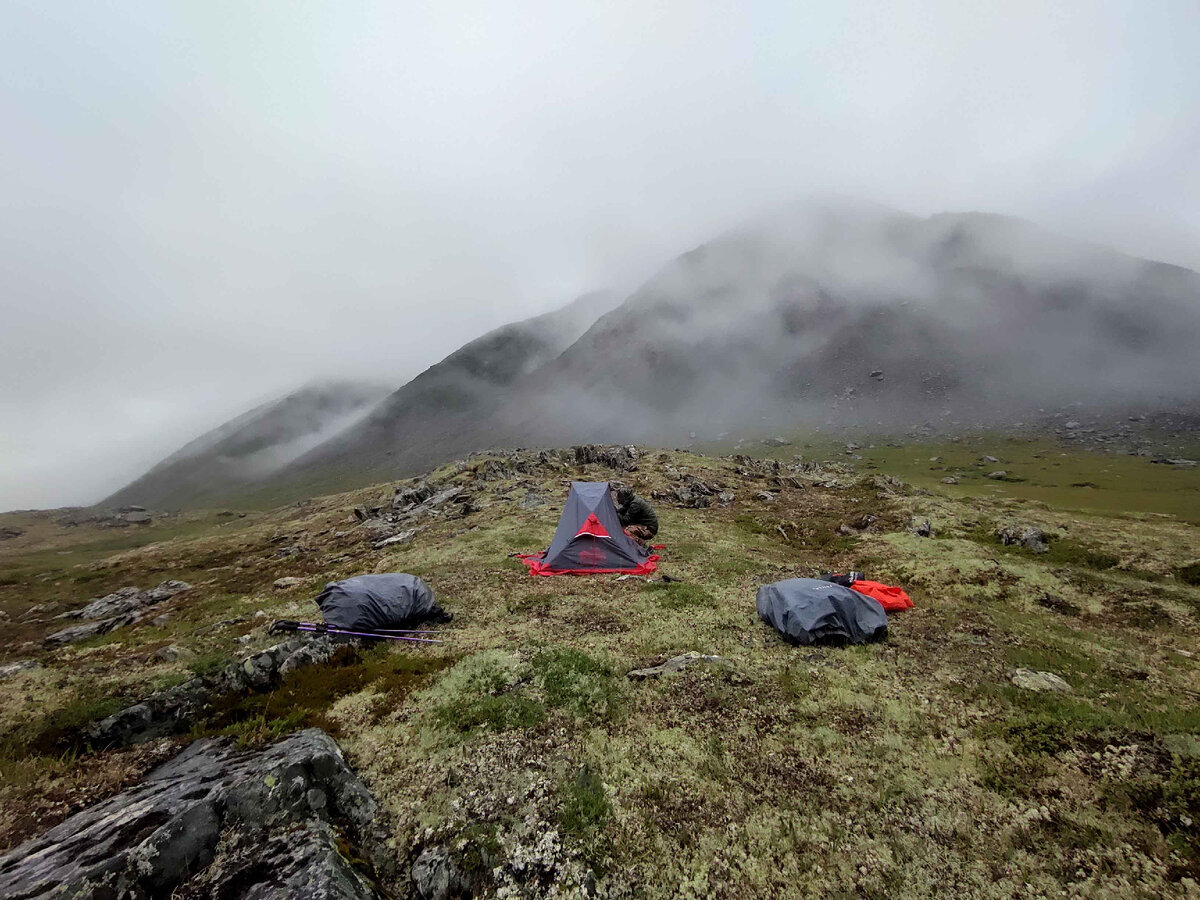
(272, 821)
(949, 479)
(998, 474)
(172, 653)
(1178, 463)
(675, 664)
(137, 518)
(290, 581)
(1024, 536)
(8, 532)
(532, 500)
(225, 514)
(162, 620)
(1073, 425)
(924, 529)
(402, 538)
(877, 374)
(1039, 682)
(989, 459)
(765, 496)
(8, 670)
(776, 442)
(726, 497)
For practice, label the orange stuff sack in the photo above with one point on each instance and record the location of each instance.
(890, 598)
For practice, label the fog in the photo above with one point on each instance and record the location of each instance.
(208, 205)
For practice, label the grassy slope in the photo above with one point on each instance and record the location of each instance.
(906, 768)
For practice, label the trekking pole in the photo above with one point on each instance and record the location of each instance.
(368, 634)
(321, 628)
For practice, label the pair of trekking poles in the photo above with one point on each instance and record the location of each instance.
(385, 634)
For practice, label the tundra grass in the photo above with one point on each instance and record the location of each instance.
(914, 767)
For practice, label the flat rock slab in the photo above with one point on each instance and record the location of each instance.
(675, 664)
(1039, 682)
(21, 665)
(116, 610)
(213, 822)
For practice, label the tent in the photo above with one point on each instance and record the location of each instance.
(812, 611)
(375, 602)
(590, 540)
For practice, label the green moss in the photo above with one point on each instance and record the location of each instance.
(483, 692)
(676, 595)
(572, 680)
(585, 806)
(1189, 574)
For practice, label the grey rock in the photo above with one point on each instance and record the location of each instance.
(131, 509)
(776, 442)
(924, 529)
(129, 599)
(290, 581)
(989, 459)
(408, 497)
(675, 664)
(171, 653)
(1073, 425)
(434, 874)
(89, 630)
(1024, 536)
(877, 374)
(998, 474)
(949, 479)
(161, 620)
(116, 610)
(7, 533)
(402, 538)
(1039, 682)
(532, 500)
(21, 665)
(765, 496)
(137, 518)
(212, 822)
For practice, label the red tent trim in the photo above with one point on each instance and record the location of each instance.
(592, 526)
(537, 567)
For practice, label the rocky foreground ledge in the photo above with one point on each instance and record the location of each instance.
(214, 822)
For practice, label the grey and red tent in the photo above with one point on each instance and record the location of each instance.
(590, 540)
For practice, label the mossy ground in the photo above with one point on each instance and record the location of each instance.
(908, 768)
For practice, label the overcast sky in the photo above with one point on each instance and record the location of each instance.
(207, 204)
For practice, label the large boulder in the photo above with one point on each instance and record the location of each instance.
(213, 822)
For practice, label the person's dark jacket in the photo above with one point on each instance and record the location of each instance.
(638, 512)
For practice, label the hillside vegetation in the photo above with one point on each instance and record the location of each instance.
(914, 767)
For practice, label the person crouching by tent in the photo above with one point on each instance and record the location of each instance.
(637, 516)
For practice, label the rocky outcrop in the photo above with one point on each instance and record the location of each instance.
(213, 822)
(116, 610)
(623, 459)
(173, 710)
